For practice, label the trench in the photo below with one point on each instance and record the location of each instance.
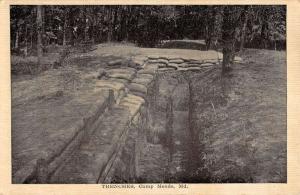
(172, 151)
(147, 134)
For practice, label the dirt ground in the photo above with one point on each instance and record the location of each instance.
(241, 118)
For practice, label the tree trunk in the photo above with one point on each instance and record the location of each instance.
(65, 28)
(115, 20)
(31, 39)
(228, 36)
(245, 20)
(86, 26)
(50, 20)
(17, 39)
(210, 26)
(39, 34)
(227, 56)
(124, 22)
(110, 24)
(127, 23)
(264, 29)
(26, 43)
(94, 25)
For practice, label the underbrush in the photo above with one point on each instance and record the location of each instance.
(54, 56)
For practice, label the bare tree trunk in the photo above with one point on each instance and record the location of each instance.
(264, 29)
(129, 8)
(110, 24)
(94, 25)
(39, 33)
(227, 57)
(65, 28)
(26, 43)
(124, 22)
(17, 39)
(209, 29)
(212, 26)
(86, 25)
(228, 36)
(115, 23)
(245, 14)
(31, 39)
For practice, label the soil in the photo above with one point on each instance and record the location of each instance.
(241, 117)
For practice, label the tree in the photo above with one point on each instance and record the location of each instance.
(211, 24)
(244, 20)
(231, 17)
(110, 23)
(147, 25)
(265, 27)
(39, 33)
(65, 26)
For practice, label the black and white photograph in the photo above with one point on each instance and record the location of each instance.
(138, 94)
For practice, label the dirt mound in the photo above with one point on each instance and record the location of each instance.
(184, 44)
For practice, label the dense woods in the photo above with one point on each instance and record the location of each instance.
(227, 27)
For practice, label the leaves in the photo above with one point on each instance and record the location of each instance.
(147, 25)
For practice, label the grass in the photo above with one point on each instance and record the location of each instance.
(53, 57)
(243, 119)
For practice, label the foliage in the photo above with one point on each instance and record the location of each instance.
(145, 25)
